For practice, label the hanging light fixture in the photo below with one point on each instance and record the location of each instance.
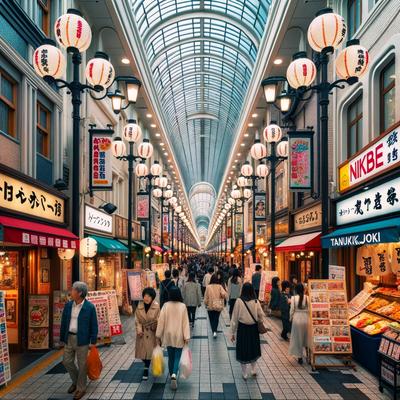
(145, 149)
(301, 72)
(270, 88)
(163, 181)
(116, 101)
(235, 193)
(48, 60)
(242, 181)
(132, 87)
(156, 168)
(247, 193)
(168, 193)
(352, 61)
(231, 201)
(282, 148)
(99, 71)
(262, 170)
(141, 170)
(88, 247)
(118, 147)
(173, 200)
(272, 133)
(157, 192)
(65, 254)
(246, 169)
(258, 150)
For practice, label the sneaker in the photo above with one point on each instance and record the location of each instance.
(145, 374)
(245, 376)
(174, 384)
(300, 360)
(254, 373)
(215, 335)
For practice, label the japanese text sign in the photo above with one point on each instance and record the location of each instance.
(380, 200)
(22, 197)
(309, 218)
(97, 220)
(100, 159)
(380, 155)
(300, 160)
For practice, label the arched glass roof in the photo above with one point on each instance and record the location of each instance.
(201, 54)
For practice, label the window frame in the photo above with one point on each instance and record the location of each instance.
(12, 128)
(46, 130)
(45, 9)
(352, 123)
(383, 91)
(353, 24)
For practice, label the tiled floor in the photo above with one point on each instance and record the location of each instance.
(216, 374)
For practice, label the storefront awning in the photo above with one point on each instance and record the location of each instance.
(157, 248)
(15, 230)
(139, 244)
(386, 231)
(108, 245)
(307, 242)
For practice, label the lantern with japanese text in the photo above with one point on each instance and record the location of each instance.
(88, 247)
(352, 61)
(301, 72)
(99, 71)
(48, 60)
(132, 131)
(141, 170)
(258, 150)
(145, 149)
(66, 254)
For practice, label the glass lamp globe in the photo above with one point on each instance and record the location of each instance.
(132, 131)
(141, 170)
(258, 150)
(156, 169)
(272, 133)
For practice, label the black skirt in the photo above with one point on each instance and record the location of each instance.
(248, 347)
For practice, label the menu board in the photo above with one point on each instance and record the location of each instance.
(160, 269)
(60, 298)
(5, 369)
(330, 328)
(101, 304)
(38, 322)
(114, 320)
(135, 285)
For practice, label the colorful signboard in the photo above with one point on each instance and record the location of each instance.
(98, 220)
(101, 304)
(135, 285)
(310, 218)
(19, 196)
(38, 322)
(375, 202)
(260, 206)
(60, 298)
(142, 206)
(5, 367)
(379, 156)
(300, 160)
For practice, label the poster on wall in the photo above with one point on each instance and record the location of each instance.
(160, 270)
(101, 305)
(330, 328)
(337, 272)
(300, 160)
(260, 206)
(5, 368)
(100, 159)
(135, 285)
(142, 206)
(38, 322)
(60, 298)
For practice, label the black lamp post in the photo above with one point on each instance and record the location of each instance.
(328, 32)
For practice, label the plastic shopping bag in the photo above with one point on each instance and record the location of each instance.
(94, 364)
(157, 361)
(185, 366)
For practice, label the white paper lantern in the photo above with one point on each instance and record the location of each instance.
(272, 133)
(48, 60)
(235, 193)
(141, 170)
(156, 169)
(228, 206)
(246, 169)
(168, 194)
(99, 71)
(118, 147)
(262, 170)
(352, 61)
(163, 182)
(145, 149)
(242, 181)
(173, 200)
(157, 192)
(178, 209)
(181, 214)
(231, 201)
(132, 131)
(326, 30)
(66, 254)
(301, 72)
(247, 193)
(88, 247)
(72, 31)
(282, 149)
(258, 150)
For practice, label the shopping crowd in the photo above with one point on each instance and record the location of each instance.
(168, 321)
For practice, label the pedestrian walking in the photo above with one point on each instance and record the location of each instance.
(146, 317)
(285, 309)
(165, 287)
(293, 283)
(173, 331)
(275, 300)
(299, 315)
(178, 281)
(78, 333)
(244, 329)
(191, 293)
(207, 278)
(256, 280)
(214, 300)
(234, 289)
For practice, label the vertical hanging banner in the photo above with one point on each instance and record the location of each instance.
(301, 160)
(142, 206)
(100, 159)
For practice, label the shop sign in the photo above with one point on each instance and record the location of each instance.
(100, 159)
(359, 239)
(300, 160)
(309, 218)
(19, 196)
(98, 220)
(337, 272)
(142, 206)
(38, 322)
(121, 228)
(377, 157)
(376, 202)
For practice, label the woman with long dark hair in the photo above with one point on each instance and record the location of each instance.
(191, 293)
(214, 298)
(275, 300)
(299, 315)
(234, 289)
(244, 328)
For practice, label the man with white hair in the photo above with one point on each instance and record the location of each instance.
(78, 333)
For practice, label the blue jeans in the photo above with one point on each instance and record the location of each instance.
(174, 358)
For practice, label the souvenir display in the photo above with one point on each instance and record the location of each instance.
(329, 317)
(38, 322)
(5, 369)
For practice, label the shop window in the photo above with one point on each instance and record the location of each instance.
(387, 93)
(43, 130)
(354, 15)
(354, 127)
(8, 105)
(43, 15)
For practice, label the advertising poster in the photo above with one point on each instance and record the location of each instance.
(142, 206)
(100, 159)
(38, 322)
(135, 285)
(5, 368)
(300, 160)
(337, 272)
(101, 305)
(329, 313)
(260, 206)
(160, 270)
(266, 285)
(60, 298)
(149, 279)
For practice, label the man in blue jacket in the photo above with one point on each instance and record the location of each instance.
(78, 333)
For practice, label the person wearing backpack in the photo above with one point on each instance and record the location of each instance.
(246, 316)
(165, 287)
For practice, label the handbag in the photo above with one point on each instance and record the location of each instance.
(260, 324)
(217, 305)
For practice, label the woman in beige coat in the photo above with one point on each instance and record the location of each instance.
(214, 300)
(173, 331)
(146, 317)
